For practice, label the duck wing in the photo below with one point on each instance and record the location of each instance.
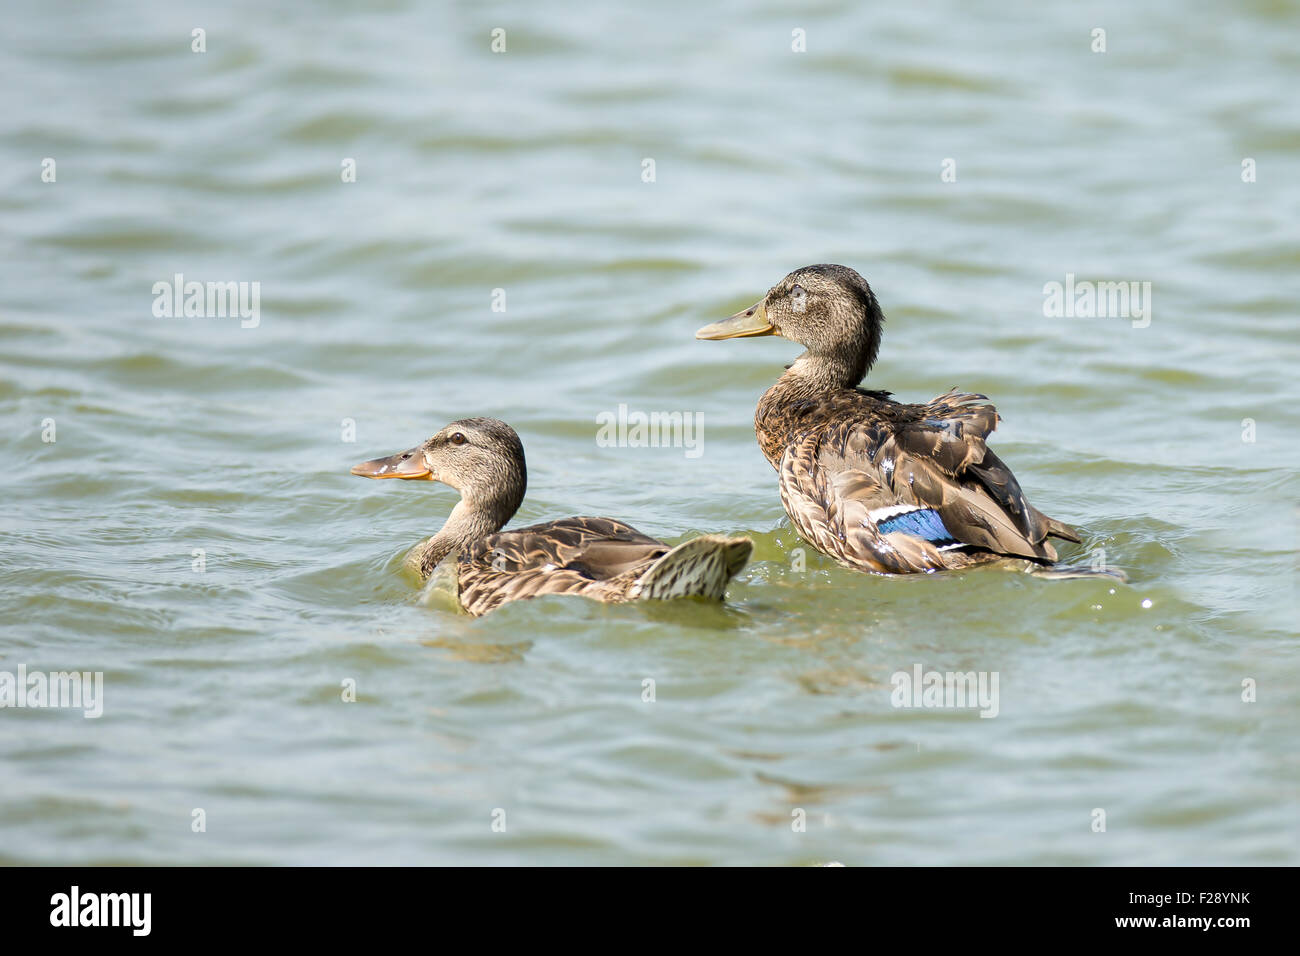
(595, 557)
(899, 487)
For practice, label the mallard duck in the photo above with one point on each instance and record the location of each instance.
(598, 558)
(874, 483)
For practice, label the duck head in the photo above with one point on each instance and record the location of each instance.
(482, 458)
(828, 309)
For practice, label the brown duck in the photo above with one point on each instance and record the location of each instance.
(597, 558)
(874, 483)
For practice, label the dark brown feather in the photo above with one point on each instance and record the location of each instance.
(595, 557)
(845, 453)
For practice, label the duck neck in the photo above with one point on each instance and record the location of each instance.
(813, 376)
(816, 372)
(463, 526)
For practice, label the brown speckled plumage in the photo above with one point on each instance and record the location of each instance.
(848, 459)
(852, 453)
(598, 558)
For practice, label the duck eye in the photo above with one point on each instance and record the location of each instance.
(798, 299)
(458, 439)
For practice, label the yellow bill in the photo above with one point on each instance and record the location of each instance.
(752, 321)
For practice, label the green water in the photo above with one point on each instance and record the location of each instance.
(522, 171)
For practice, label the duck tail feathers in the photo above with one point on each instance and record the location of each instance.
(700, 567)
(1059, 529)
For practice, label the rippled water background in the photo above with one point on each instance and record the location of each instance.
(523, 171)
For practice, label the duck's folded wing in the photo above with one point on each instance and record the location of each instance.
(599, 548)
(592, 556)
(933, 456)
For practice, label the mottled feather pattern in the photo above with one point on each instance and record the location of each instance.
(598, 558)
(700, 567)
(843, 454)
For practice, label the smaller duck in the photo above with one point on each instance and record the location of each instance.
(598, 558)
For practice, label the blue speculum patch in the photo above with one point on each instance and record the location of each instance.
(923, 524)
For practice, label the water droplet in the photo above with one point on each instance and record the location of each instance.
(1146, 602)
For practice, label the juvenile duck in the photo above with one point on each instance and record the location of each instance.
(598, 558)
(876, 484)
